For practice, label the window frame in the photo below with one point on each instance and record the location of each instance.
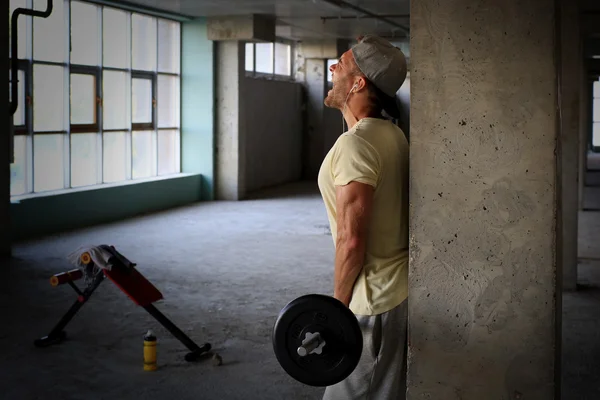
(27, 102)
(152, 77)
(95, 72)
(273, 75)
(27, 131)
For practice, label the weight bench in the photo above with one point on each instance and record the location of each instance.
(122, 273)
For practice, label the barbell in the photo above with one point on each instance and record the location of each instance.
(317, 340)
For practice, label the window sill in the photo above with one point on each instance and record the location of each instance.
(23, 197)
(270, 77)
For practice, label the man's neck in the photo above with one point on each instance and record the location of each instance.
(352, 116)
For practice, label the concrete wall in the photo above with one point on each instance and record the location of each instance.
(230, 135)
(273, 127)
(258, 127)
(483, 270)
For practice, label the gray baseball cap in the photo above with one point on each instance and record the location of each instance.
(385, 67)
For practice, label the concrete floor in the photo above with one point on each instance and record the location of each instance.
(225, 270)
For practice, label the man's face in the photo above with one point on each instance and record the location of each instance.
(342, 80)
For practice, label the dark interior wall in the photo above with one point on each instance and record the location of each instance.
(4, 140)
(273, 124)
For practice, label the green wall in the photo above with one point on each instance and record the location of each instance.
(197, 104)
(71, 209)
(37, 216)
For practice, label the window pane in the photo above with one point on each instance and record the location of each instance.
(48, 162)
(115, 90)
(19, 116)
(142, 154)
(115, 43)
(84, 33)
(596, 110)
(18, 170)
(168, 101)
(141, 100)
(596, 135)
(283, 59)
(597, 89)
(50, 34)
(48, 98)
(21, 27)
(169, 48)
(143, 42)
(84, 159)
(114, 160)
(264, 58)
(168, 152)
(83, 99)
(249, 56)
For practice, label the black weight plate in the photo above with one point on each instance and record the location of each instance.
(338, 327)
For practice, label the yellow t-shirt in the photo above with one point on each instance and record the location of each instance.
(374, 152)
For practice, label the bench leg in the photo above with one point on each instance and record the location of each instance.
(195, 351)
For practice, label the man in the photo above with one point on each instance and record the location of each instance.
(364, 184)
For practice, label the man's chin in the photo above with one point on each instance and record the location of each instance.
(329, 102)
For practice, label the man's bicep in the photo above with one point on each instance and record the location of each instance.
(354, 203)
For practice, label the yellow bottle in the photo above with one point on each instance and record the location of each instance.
(149, 351)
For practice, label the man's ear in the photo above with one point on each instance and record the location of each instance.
(360, 84)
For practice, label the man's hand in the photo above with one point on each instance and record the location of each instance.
(353, 206)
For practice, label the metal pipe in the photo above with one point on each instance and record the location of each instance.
(14, 48)
(344, 4)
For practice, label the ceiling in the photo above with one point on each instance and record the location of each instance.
(304, 19)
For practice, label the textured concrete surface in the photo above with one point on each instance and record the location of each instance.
(581, 334)
(225, 269)
(229, 136)
(482, 267)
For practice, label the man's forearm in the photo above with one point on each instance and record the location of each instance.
(349, 260)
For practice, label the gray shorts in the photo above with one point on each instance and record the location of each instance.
(381, 371)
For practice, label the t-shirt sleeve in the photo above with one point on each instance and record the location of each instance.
(354, 159)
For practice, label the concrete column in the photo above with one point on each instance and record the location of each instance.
(5, 245)
(230, 134)
(483, 276)
(571, 56)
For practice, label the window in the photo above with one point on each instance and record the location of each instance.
(330, 62)
(98, 91)
(596, 116)
(269, 59)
